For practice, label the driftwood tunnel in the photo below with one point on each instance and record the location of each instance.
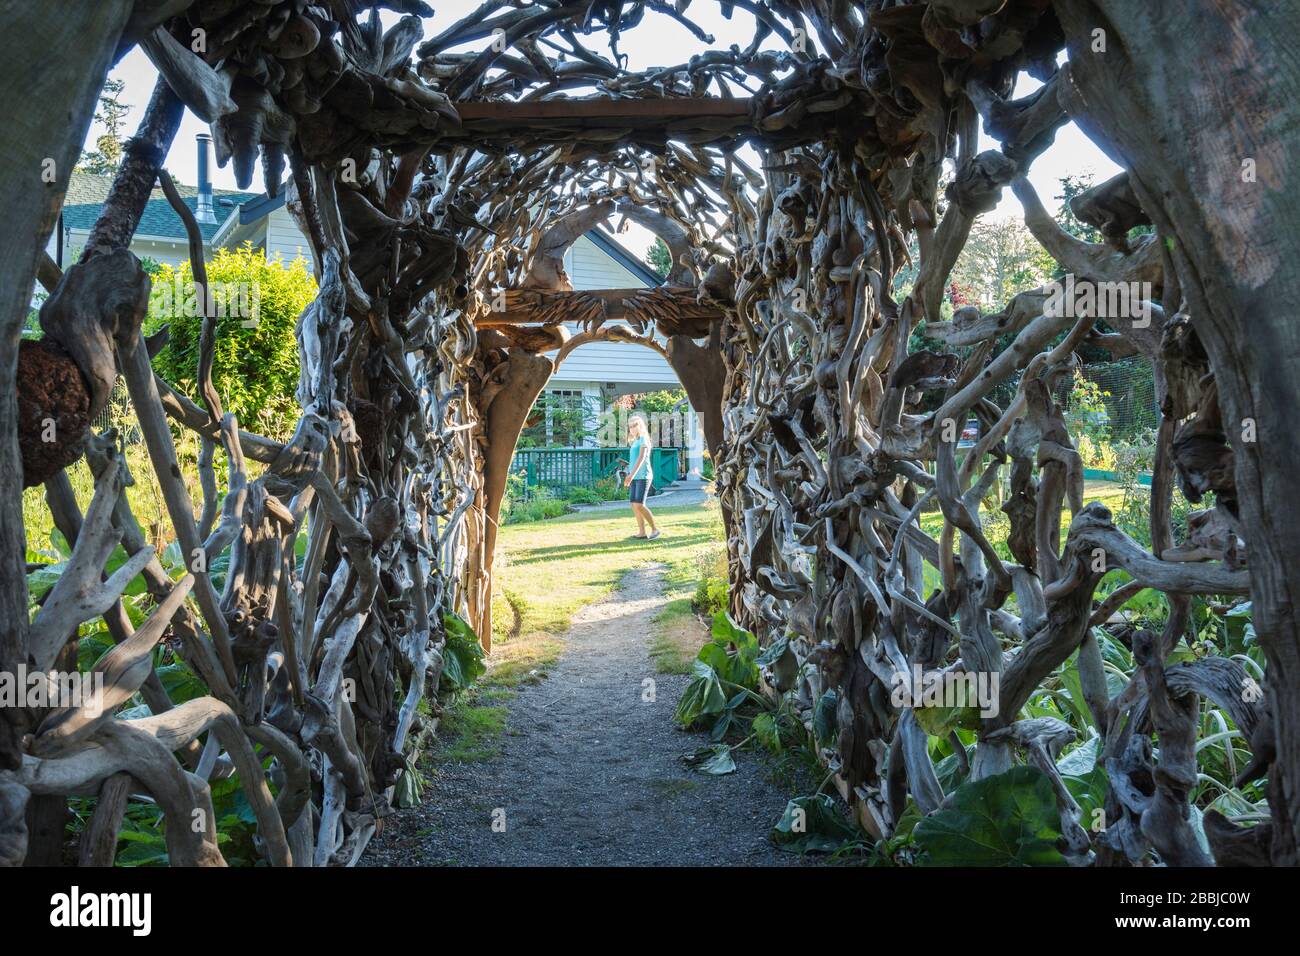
(439, 188)
(529, 323)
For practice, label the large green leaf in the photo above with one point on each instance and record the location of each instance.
(733, 652)
(1072, 685)
(462, 655)
(767, 732)
(410, 788)
(774, 652)
(951, 771)
(730, 720)
(1082, 759)
(1006, 820)
(181, 682)
(715, 760)
(702, 697)
(939, 720)
(825, 718)
(1240, 628)
(1085, 777)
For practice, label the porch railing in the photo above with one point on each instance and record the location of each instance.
(583, 467)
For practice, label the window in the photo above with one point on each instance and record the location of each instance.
(560, 418)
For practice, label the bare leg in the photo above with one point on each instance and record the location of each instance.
(649, 517)
(640, 520)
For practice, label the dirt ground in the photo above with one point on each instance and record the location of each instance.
(590, 770)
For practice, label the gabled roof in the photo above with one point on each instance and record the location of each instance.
(87, 193)
(612, 248)
(261, 205)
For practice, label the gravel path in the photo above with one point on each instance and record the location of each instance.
(590, 773)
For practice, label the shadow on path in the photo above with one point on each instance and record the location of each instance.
(590, 771)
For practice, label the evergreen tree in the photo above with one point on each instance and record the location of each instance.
(107, 154)
(659, 258)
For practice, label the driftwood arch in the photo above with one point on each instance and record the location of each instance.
(530, 321)
(424, 174)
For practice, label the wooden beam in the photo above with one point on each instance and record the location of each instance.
(604, 108)
(600, 120)
(645, 305)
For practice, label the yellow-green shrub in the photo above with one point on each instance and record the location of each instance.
(255, 354)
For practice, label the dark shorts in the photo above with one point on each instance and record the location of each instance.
(638, 490)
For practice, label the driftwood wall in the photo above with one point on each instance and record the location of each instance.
(432, 181)
(838, 435)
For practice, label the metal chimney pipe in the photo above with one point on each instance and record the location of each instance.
(204, 211)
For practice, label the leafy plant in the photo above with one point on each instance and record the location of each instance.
(1006, 820)
(255, 354)
(715, 760)
(825, 719)
(1088, 422)
(703, 696)
(462, 655)
(1084, 776)
(538, 506)
(713, 588)
(721, 693)
(815, 825)
(661, 402)
(767, 731)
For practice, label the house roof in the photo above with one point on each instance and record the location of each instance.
(612, 248)
(261, 205)
(87, 193)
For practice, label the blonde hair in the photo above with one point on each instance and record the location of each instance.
(644, 430)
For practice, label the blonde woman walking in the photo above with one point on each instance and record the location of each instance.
(639, 475)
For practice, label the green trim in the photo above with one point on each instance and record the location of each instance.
(583, 467)
(1098, 474)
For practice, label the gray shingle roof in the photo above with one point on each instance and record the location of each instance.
(87, 192)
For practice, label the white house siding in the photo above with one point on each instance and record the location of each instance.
(284, 237)
(590, 268)
(629, 368)
(160, 250)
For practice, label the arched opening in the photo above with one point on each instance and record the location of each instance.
(531, 330)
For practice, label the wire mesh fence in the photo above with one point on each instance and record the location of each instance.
(119, 414)
(1127, 389)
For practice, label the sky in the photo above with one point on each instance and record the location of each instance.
(657, 41)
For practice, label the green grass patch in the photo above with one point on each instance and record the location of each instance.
(678, 637)
(673, 786)
(473, 726)
(997, 525)
(552, 568)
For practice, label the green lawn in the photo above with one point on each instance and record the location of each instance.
(546, 571)
(997, 525)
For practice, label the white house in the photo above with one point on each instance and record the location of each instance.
(161, 235)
